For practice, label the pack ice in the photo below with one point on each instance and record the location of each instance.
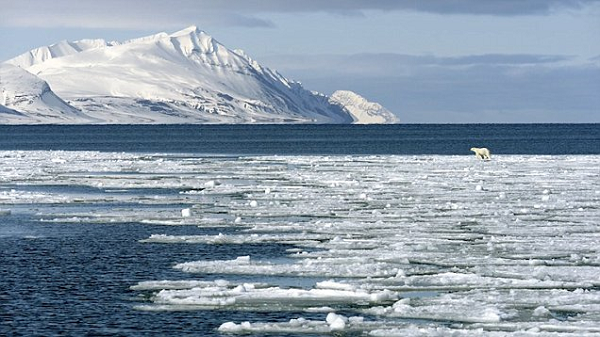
(377, 245)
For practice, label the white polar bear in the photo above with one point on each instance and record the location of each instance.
(481, 153)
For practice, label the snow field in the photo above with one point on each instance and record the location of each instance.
(402, 245)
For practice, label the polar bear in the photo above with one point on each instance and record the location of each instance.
(481, 153)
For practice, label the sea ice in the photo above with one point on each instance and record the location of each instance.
(408, 242)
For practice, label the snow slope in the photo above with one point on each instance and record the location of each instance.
(22, 91)
(184, 77)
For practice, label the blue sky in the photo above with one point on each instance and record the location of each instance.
(429, 61)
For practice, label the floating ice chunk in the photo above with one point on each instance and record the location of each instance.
(541, 311)
(319, 309)
(230, 327)
(402, 305)
(186, 213)
(298, 325)
(238, 220)
(336, 322)
(179, 284)
(490, 315)
(253, 203)
(400, 273)
(220, 238)
(296, 322)
(334, 285)
(243, 259)
(478, 188)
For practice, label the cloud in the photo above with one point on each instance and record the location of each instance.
(136, 14)
(491, 7)
(382, 64)
(486, 88)
(114, 14)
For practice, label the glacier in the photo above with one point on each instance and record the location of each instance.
(379, 245)
(183, 77)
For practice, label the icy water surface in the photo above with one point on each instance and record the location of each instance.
(106, 243)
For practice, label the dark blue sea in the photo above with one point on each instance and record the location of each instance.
(72, 279)
(409, 139)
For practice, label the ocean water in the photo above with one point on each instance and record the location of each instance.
(299, 230)
(409, 139)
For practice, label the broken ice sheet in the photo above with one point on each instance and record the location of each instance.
(508, 246)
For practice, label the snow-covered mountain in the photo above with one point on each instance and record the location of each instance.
(184, 77)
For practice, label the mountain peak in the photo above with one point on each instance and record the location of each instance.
(187, 31)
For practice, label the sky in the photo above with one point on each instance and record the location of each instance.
(428, 61)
